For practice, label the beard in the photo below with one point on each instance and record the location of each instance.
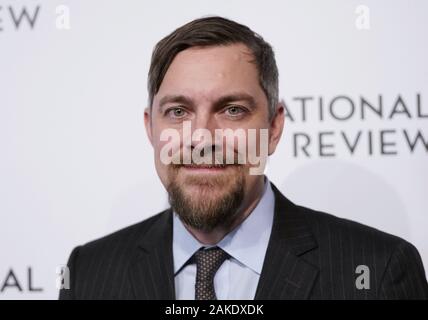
(215, 204)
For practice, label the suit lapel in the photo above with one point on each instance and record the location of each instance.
(152, 267)
(285, 273)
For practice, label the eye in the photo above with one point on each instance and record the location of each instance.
(176, 112)
(235, 111)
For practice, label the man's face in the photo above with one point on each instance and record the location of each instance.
(213, 88)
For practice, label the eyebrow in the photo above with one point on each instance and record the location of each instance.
(238, 96)
(175, 99)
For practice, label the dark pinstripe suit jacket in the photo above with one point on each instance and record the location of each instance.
(311, 255)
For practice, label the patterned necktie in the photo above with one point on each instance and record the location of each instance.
(207, 263)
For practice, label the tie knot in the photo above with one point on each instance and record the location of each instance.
(208, 261)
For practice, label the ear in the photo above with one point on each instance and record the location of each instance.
(148, 123)
(276, 127)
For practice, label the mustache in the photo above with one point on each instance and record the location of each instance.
(207, 156)
(207, 166)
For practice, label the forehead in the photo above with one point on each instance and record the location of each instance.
(208, 72)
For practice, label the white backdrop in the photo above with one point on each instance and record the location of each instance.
(75, 163)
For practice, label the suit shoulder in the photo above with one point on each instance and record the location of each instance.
(97, 268)
(323, 224)
(125, 237)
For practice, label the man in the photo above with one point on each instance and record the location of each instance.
(230, 233)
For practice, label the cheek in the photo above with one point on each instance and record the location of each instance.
(166, 139)
(257, 142)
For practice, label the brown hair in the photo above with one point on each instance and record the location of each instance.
(212, 31)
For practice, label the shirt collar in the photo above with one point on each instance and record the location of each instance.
(247, 243)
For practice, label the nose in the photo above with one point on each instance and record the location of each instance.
(206, 121)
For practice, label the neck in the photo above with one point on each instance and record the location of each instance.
(215, 236)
